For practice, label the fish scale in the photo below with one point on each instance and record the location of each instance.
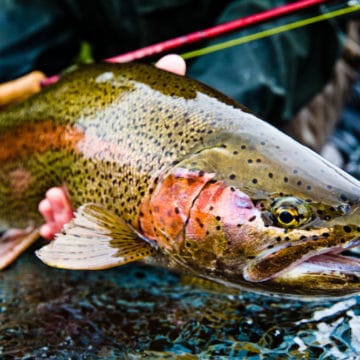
(159, 163)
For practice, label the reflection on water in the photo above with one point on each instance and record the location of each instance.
(138, 311)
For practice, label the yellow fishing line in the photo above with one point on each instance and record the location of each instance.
(269, 32)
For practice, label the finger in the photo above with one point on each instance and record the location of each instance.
(20, 88)
(46, 211)
(173, 63)
(47, 231)
(60, 203)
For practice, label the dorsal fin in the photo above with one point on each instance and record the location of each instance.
(95, 239)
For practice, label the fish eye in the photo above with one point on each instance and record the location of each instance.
(290, 212)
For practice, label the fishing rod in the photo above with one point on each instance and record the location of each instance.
(228, 27)
(215, 31)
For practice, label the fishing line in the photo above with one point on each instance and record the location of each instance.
(269, 32)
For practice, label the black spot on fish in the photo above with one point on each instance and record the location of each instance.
(254, 181)
(252, 218)
(270, 175)
(249, 161)
(232, 177)
(347, 229)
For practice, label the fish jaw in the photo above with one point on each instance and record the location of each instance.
(314, 266)
(328, 275)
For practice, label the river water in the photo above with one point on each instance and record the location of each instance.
(138, 311)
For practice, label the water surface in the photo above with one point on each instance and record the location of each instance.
(137, 311)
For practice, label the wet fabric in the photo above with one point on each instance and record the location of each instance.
(274, 77)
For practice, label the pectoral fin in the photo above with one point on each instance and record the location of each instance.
(95, 239)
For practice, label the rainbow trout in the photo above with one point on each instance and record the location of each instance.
(161, 167)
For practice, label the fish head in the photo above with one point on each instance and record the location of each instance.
(266, 214)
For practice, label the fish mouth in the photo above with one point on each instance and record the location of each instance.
(334, 274)
(310, 258)
(344, 261)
